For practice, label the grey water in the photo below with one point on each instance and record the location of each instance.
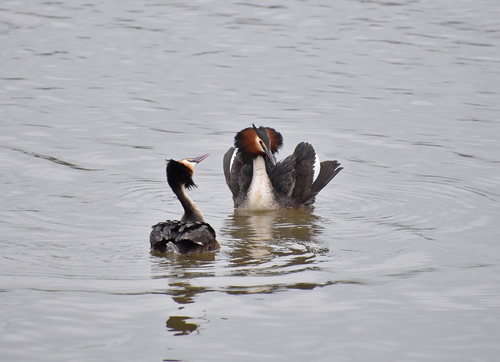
(399, 259)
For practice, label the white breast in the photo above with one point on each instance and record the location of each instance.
(260, 194)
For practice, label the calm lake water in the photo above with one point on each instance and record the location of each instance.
(399, 259)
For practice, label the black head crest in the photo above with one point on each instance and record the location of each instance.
(262, 134)
(179, 174)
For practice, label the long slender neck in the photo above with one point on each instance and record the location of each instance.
(260, 175)
(191, 211)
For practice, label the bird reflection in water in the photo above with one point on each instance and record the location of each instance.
(182, 322)
(260, 243)
(179, 271)
(277, 237)
(181, 326)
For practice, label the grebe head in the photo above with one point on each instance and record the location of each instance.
(259, 141)
(181, 172)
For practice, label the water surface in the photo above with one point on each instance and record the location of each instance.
(397, 260)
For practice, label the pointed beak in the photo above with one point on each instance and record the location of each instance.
(269, 155)
(200, 158)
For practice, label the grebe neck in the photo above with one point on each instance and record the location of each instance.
(260, 194)
(191, 211)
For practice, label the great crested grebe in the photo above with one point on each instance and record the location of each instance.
(191, 234)
(258, 182)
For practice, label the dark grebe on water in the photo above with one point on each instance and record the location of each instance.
(191, 234)
(258, 182)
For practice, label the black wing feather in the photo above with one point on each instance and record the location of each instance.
(328, 170)
(292, 177)
(226, 164)
(238, 175)
(282, 177)
(306, 157)
(184, 237)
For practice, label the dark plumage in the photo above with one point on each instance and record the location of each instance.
(191, 234)
(257, 181)
(182, 237)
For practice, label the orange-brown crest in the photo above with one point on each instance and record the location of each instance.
(248, 141)
(276, 139)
